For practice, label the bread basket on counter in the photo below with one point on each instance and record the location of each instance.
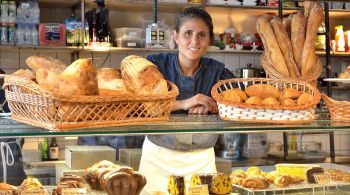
(32, 105)
(271, 72)
(229, 110)
(339, 110)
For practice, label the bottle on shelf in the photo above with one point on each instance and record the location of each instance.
(45, 149)
(12, 12)
(53, 149)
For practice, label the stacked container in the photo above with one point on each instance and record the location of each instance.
(129, 37)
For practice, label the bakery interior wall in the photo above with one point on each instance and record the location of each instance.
(240, 19)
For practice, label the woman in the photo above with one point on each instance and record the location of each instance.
(194, 75)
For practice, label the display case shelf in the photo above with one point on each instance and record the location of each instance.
(182, 123)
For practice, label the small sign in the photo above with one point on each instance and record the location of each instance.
(322, 178)
(199, 190)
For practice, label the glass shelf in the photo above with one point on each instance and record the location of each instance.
(179, 123)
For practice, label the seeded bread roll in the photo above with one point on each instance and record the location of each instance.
(46, 62)
(272, 49)
(298, 27)
(309, 58)
(285, 46)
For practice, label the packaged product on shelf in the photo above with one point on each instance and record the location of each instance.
(52, 34)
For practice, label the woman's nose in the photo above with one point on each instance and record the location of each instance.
(195, 38)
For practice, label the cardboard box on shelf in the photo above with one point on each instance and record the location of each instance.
(52, 34)
(81, 157)
(131, 157)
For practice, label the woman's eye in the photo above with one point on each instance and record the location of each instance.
(188, 33)
(203, 35)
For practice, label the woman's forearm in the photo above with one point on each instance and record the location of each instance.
(179, 105)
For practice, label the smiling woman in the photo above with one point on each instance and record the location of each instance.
(194, 75)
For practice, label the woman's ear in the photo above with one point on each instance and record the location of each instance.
(175, 35)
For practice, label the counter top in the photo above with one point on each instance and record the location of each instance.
(178, 123)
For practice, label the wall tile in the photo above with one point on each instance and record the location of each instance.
(116, 59)
(9, 60)
(65, 57)
(232, 63)
(246, 59)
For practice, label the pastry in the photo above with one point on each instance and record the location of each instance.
(255, 182)
(8, 189)
(304, 98)
(285, 46)
(79, 78)
(298, 27)
(270, 101)
(262, 91)
(253, 100)
(221, 184)
(201, 179)
(46, 62)
(309, 58)
(310, 174)
(272, 49)
(288, 102)
(31, 184)
(232, 96)
(290, 93)
(271, 176)
(295, 179)
(176, 185)
(253, 171)
(282, 181)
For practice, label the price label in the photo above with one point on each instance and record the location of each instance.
(322, 178)
(199, 190)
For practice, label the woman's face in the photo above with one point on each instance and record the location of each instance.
(192, 39)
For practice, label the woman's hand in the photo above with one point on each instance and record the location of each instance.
(197, 100)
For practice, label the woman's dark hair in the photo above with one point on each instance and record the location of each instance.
(197, 13)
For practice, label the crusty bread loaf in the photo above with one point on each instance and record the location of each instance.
(25, 73)
(47, 79)
(142, 76)
(285, 46)
(46, 62)
(298, 27)
(272, 49)
(79, 78)
(110, 82)
(309, 58)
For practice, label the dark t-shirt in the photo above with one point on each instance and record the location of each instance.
(209, 73)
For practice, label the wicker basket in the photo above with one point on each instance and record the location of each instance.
(271, 72)
(340, 110)
(229, 110)
(32, 105)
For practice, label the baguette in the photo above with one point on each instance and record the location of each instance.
(285, 46)
(272, 50)
(308, 5)
(287, 23)
(309, 58)
(298, 27)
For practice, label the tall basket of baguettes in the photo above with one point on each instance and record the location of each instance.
(57, 97)
(266, 100)
(290, 44)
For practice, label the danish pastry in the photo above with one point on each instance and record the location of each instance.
(255, 182)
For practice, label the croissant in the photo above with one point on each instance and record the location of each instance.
(290, 93)
(255, 182)
(282, 181)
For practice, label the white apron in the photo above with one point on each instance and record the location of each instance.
(158, 163)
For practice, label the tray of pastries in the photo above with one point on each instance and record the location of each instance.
(288, 178)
